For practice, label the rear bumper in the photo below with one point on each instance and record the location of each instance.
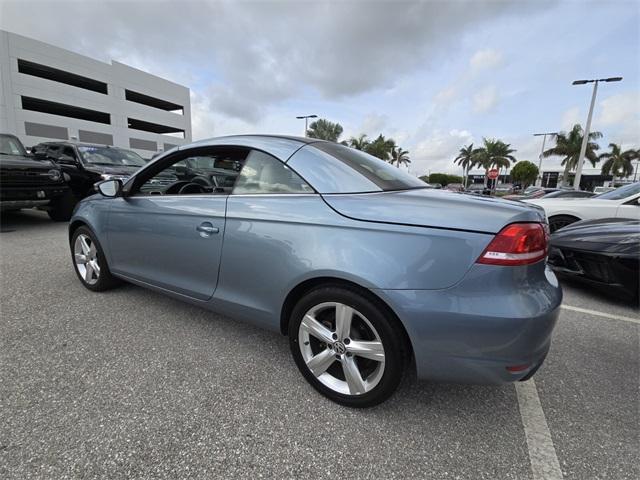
(496, 317)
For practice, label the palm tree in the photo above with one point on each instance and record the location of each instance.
(399, 156)
(618, 163)
(466, 160)
(381, 147)
(325, 130)
(359, 143)
(494, 153)
(568, 146)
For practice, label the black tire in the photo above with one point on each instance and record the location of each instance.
(386, 327)
(61, 209)
(106, 280)
(559, 221)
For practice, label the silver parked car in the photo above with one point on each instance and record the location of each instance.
(364, 269)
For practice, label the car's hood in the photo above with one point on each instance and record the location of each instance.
(112, 170)
(434, 208)
(614, 235)
(20, 162)
(568, 202)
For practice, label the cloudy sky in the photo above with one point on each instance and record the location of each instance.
(434, 75)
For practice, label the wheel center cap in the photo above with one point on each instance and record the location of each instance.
(339, 348)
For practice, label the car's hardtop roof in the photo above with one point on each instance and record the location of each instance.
(280, 146)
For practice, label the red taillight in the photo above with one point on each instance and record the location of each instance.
(516, 244)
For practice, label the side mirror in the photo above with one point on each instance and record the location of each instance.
(67, 160)
(109, 188)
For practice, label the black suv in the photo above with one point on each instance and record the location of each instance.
(86, 164)
(26, 182)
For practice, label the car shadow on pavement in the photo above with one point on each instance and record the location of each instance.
(23, 219)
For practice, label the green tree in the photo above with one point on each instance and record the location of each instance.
(568, 146)
(359, 143)
(617, 162)
(399, 157)
(443, 179)
(381, 147)
(525, 173)
(325, 130)
(466, 159)
(494, 154)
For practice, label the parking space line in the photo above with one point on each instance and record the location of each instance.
(601, 314)
(542, 453)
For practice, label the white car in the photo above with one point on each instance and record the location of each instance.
(624, 202)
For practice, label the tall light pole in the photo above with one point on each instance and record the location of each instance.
(585, 139)
(306, 121)
(544, 141)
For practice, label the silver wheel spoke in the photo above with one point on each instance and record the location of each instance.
(344, 314)
(366, 349)
(92, 250)
(96, 267)
(353, 377)
(316, 329)
(320, 362)
(80, 258)
(88, 275)
(84, 245)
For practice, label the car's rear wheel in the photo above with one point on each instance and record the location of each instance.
(559, 221)
(346, 346)
(89, 261)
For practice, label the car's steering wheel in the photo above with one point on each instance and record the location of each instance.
(175, 187)
(192, 188)
(202, 180)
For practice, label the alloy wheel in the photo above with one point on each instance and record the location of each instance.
(85, 256)
(341, 348)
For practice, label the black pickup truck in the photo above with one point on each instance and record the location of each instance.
(26, 182)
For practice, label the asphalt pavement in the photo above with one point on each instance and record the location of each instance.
(132, 384)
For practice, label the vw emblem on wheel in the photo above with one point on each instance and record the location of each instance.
(339, 348)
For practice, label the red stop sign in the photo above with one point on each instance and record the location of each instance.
(493, 174)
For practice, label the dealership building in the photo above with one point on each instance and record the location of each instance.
(51, 94)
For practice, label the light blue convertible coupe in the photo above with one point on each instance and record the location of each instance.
(368, 272)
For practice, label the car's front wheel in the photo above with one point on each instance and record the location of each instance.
(89, 261)
(346, 346)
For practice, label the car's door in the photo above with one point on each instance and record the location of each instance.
(629, 209)
(269, 212)
(168, 232)
(70, 164)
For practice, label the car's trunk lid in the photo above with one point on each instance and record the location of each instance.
(435, 208)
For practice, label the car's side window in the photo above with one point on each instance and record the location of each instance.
(204, 172)
(263, 173)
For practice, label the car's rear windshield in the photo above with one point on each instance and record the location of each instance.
(110, 156)
(385, 176)
(11, 146)
(620, 193)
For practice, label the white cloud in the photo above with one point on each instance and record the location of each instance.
(485, 59)
(373, 124)
(436, 153)
(485, 100)
(620, 109)
(570, 117)
(343, 50)
(446, 96)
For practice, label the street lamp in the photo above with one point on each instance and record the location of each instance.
(306, 121)
(544, 140)
(585, 140)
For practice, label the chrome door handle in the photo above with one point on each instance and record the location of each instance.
(206, 229)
